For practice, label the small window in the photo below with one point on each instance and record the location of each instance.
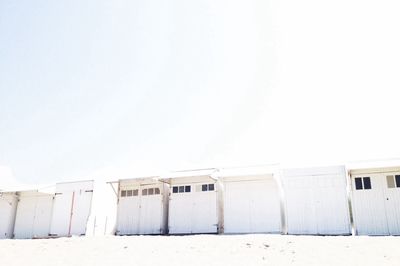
(156, 191)
(144, 192)
(397, 180)
(135, 192)
(129, 193)
(187, 188)
(181, 189)
(123, 193)
(210, 187)
(367, 182)
(204, 187)
(390, 181)
(151, 191)
(174, 189)
(358, 181)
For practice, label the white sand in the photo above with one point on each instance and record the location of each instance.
(203, 250)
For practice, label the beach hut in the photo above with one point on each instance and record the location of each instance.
(375, 198)
(252, 200)
(71, 209)
(33, 215)
(8, 207)
(316, 201)
(142, 206)
(195, 204)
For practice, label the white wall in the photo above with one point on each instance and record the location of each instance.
(8, 205)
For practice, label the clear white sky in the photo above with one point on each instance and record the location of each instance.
(124, 88)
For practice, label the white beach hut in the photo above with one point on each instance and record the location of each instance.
(71, 210)
(375, 197)
(142, 206)
(8, 207)
(316, 201)
(195, 204)
(34, 213)
(252, 199)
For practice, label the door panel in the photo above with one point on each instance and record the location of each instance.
(180, 213)
(150, 213)
(392, 205)
(369, 208)
(24, 221)
(61, 214)
(204, 212)
(128, 216)
(331, 195)
(81, 211)
(252, 207)
(43, 211)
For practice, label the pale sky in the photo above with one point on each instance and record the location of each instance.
(127, 88)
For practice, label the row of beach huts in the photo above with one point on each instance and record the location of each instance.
(328, 200)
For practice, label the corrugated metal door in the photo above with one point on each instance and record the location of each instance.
(252, 207)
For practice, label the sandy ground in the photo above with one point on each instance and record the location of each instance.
(203, 250)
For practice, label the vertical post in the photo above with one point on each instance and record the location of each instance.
(105, 226)
(71, 214)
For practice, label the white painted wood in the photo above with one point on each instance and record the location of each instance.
(143, 213)
(252, 206)
(33, 215)
(72, 206)
(376, 211)
(195, 211)
(8, 205)
(316, 201)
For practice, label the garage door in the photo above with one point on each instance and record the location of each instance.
(33, 216)
(140, 210)
(193, 209)
(317, 204)
(252, 207)
(72, 206)
(376, 203)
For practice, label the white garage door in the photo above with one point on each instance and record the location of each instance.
(33, 216)
(317, 204)
(193, 209)
(376, 203)
(252, 207)
(140, 210)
